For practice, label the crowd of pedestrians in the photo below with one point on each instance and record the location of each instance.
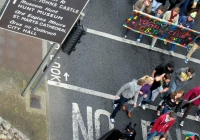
(173, 99)
(182, 15)
(161, 83)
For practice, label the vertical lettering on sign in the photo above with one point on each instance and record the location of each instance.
(77, 120)
(97, 121)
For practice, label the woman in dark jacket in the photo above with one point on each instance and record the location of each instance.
(171, 101)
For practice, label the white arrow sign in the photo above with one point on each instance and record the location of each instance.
(66, 75)
(14, 1)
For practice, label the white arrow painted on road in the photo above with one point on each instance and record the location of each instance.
(66, 75)
(14, 1)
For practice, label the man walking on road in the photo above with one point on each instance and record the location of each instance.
(194, 96)
(182, 78)
(195, 46)
(162, 124)
(126, 92)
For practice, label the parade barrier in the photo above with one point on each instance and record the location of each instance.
(158, 28)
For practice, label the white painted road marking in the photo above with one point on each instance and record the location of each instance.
(77, 120)
(117, 38)
(100, 94)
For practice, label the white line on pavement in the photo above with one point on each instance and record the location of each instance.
(117, 38)
(100, 94)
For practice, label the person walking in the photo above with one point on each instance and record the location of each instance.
(158, 14)
(182, 77)
(194, 47)
(170, 16)
(184, 21)
(171, 101)
(162, 124)
(193, 98)
(189, 6)
(141, 5)
(129, 106)
(163, 68)
(125, 93)
(160, 82)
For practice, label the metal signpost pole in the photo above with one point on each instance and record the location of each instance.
(40, 68)
(82, 15)
(46, 71)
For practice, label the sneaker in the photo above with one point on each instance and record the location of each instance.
(151, 47)
(181, 124)
(138, 41)
(143, 107)
(165, 42)
(125, 37)
(139, 104)
(114, 105)
(172, 53)
(182, 111)
(197, 118)
(112, 120)
(186, 60)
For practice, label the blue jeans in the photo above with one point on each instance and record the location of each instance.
(165, 110)
(183, 7)
(120, 102)
(173, 46)
(198, 112)
(140, 36)
(172, 87)
(147, 99)
(155, 133)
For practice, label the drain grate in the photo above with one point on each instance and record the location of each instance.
(35, 102)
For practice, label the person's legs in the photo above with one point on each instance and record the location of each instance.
(173, 46)
(172, 88)
(139, 38)
(120, 102)
(165, 110)
(126, 32)
(192, 50)
(190, 105)
(155, 133)
(198, 112)
(153, 42)
(151, 135)
(139, 100)
(146, 100)
(183, 7)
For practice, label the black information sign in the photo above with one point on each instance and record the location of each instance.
(45, 19)
(159, 28)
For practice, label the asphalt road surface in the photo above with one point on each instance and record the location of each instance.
(82, 86)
